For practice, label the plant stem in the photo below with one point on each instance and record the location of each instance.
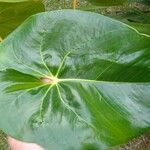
(74, 4)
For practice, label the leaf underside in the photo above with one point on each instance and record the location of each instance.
(74, 80)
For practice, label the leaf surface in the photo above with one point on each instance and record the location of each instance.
(13, 14)
(137, 19)
(75, 80)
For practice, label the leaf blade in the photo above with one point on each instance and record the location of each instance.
(101, 92)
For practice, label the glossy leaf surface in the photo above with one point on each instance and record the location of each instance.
(13, 14)
(75, 80)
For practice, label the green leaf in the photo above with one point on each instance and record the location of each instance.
(143, 28)
(145, 2)
(137, 19)
(14, 1)
(13, 14)
(84, 81)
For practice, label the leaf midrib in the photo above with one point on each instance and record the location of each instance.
(96, 81)
(71, 80)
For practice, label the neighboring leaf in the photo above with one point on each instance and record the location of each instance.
(142, 28)
(13, 14)
(145, 2)
(14, 1)
(84, 81)
(137, 19)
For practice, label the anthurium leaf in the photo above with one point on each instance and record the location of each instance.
(145, 2)
(143, 28)
(13, 14)
(137, 19)
(84, 81)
